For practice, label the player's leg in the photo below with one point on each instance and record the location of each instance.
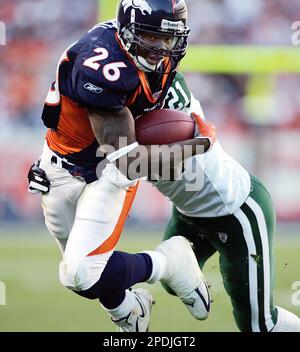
(260, 203)
(260, 211)
(258, 220)
(59, 204)
(101, 214)
(178, 226)
(60, 207)
(201, 247)
(245, 243)
(92, 269)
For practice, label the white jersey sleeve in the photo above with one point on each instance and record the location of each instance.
(213, 184)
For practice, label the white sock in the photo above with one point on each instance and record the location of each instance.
(159, 265)
(286, 321)
(124, 308)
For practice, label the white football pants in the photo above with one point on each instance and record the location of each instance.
(86, 221)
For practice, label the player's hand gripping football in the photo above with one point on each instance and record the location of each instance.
(206, 129)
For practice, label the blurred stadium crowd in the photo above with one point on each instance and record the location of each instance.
(258, 118)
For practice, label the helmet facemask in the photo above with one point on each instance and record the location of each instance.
(136, 40)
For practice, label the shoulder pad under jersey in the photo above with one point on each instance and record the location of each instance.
(104, 76)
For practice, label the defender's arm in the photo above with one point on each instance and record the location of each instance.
(108, 127)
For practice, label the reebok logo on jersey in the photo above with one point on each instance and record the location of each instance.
(142, 5)
(92, 88)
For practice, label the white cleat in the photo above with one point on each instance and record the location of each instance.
(184, 276)
(138, 319)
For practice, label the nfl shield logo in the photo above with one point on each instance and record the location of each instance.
(223, 237)
(157, 94)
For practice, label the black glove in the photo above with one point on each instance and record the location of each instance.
(38, 181)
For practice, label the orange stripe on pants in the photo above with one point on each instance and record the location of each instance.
(113, 239)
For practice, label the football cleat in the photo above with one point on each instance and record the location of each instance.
(184, 276)
(138, 319)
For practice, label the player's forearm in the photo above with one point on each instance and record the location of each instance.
(197, 146)
(108, 127)
(115, 133)
(149, 160)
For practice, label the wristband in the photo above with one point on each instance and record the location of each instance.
(121, 152)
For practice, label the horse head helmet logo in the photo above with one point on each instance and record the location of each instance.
(141, 5)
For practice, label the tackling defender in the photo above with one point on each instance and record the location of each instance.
(232, 213)
(114, 73)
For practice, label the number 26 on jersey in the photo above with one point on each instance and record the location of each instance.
(110, 71)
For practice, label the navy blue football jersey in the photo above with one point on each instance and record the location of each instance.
(96, 73)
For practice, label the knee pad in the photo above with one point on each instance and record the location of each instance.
(79, 274)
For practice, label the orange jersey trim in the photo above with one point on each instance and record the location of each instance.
(113, 239)
(135, 95)
(74, 131)
(146, 86)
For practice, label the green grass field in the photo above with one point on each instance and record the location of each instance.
(35, 300)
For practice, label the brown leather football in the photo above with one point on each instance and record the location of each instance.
(164, 126)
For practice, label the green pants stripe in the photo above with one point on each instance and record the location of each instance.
(244, 241)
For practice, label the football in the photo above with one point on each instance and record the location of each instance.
(164, 126)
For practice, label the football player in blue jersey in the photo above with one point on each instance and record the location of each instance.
(232, 213)
(113, 74)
